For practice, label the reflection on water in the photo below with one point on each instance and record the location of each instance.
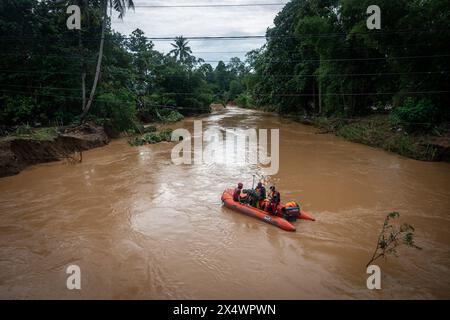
(141, 227)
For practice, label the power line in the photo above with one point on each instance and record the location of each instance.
(76, 55)
(274, 76)
(329, 94)
(31, 55)
(293, 116)
(354, 74)
(339, 59)
(246, 37)
(276, 94)
(96, 99)
(405, 46)
(347, 59)
(209, 5)
(39, 94)
(41, 87)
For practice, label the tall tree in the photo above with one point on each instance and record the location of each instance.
(121, 7)
(182, 52)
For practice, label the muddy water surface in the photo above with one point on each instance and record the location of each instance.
(141, 227)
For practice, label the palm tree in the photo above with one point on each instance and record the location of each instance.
(121, 7)
(181, 51)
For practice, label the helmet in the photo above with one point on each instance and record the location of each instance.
(240, 185)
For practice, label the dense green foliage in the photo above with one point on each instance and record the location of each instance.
(43, 67)
(416, 114)
(320, 58)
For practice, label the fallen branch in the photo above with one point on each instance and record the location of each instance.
(391, 237)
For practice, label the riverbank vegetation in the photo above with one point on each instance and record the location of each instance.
(46, 72)
(320, 64)
(380, 130)
(387, 88)
(320, 58)
(151, 137)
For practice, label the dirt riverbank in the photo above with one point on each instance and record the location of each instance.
(19, 151)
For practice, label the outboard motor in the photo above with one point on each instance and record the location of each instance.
(291, 211)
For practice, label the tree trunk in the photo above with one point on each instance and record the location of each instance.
(320, 86)
(99, 64)
(320, 97)
(83, 89)
(83, 74)
(314, 94)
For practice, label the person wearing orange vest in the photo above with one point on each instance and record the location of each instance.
(275, 199)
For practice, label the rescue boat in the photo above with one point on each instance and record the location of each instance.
(285, 213)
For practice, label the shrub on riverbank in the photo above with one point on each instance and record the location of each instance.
(415, 115)
(151, 137)
(170, 116)
(26, 132)
(244, 100)
(379, 131)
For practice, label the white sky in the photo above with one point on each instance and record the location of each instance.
(216, 21)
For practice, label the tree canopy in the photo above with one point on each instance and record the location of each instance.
(319, 59)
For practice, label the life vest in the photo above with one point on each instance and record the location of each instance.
(275, 196)
(261, 192)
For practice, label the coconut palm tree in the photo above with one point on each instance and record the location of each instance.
(121, 7)
(181, 51)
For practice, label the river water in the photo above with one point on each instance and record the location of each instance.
(139, 226)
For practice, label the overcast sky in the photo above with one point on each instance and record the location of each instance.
(212, 21)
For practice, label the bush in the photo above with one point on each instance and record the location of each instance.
(152, 137)
(18, 110)
(166, 134)
(120, 108)
(136, 141)
(236, 88)
(244, 100)
(415, 115)
(168, 115)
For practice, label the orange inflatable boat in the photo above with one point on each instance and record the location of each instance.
(283, 214)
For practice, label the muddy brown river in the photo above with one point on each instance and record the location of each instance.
(139, 226)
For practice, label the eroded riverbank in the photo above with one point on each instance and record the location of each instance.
(19, 152)
(141, 227)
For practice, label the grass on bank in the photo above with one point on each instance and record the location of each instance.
(42, 134)
(379, 131)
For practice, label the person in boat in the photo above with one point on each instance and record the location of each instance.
(261, 192)
(251, 197)
(275, 199)
(237, 192)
